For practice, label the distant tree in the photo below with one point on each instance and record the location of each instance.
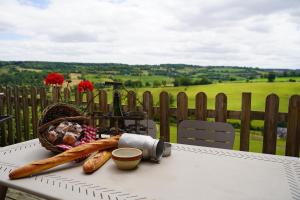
(292, 73)
(232, 79)
(292, 80)
(164, 83)
(134, 84)
(271, 77)
(203, 81)
(185, 81)
(12, 69)
(176, 82)
(128, 83)
(156, 84)
(147, 84)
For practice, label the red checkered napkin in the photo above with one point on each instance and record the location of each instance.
(89, 136)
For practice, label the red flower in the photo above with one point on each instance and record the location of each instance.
(84, 86)
(54, 79)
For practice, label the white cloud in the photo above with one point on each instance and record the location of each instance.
(264, 33)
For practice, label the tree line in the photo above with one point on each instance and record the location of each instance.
(32, 72)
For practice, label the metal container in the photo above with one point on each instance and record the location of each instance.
(152, 148)
(167, 149)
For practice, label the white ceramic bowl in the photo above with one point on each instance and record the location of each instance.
(127, 158)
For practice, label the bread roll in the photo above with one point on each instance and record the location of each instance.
(70, 138)
(67, 156)
(96, 161)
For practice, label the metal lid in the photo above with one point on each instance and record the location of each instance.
(167, 149)
(157, 150)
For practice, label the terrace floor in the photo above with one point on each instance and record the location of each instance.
(18, 195)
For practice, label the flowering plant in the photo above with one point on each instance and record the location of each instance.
(54, 79)
(85, 85)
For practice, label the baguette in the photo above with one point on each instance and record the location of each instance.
(67, 156)
(96, 161)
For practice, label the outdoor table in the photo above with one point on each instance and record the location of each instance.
(191, 172)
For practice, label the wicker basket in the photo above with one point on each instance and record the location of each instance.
(54, 114)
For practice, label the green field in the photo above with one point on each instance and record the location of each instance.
(278, 79)
(234, 93)
(97, 78)
(3, 71)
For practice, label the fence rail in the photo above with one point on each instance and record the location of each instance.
(26, 105)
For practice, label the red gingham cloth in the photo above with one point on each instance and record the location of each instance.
(89, 136)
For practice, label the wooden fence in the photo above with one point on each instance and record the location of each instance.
(26, 105)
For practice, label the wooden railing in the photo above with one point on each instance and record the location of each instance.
(26, 105)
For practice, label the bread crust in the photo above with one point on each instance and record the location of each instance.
(64, 157)
(96, 161)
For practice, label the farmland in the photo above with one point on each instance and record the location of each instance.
(234, 93)
(232, 81)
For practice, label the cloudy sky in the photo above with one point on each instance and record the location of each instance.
(258, 33)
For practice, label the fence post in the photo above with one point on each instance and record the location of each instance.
(164, 102)
(245, 121)
(25, 113)
(10, 133)
(34, 111)
(90, 107)
(131, 100)
(2, 127)
(182, 107)
(148, 104)
(78, 97)
(201, 106)
(103, 107)
(55, 94)
(221, 107)
(43, 98)
(66, 94)
(17, 113)
(270, 124)
(293, 127)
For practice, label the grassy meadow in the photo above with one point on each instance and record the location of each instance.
(234, 91)
(144, 79)
(259, 88)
